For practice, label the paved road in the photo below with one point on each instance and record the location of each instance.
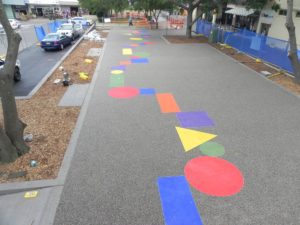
(125, 145)
(35, 64)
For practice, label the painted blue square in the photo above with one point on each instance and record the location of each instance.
(147, 91)
(140, 60)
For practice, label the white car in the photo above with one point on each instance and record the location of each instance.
(82, 20)
(14, 23)
(79, 28)
(68, 30)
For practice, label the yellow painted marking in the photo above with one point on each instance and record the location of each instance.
(116, 72)
(127, 51)
(136, 39)
(31, 194)
(193, 138)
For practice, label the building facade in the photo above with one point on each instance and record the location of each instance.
(273, 23)
(45, 8)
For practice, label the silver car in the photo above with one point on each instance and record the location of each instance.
(17, 74)
(68, 30)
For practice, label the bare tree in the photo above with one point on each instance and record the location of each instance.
(12, 144)
(293, 41)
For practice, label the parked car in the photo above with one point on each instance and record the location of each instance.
(68, 30)
(81, 20)
(55, 41)
(17, 73)
(79, 28)
(14, 23)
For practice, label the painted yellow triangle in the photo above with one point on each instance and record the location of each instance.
(193, 138)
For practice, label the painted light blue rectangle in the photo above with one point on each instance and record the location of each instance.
(147, 91)
(140, 60)
(177, 201)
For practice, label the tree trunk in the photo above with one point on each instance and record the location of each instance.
(11, 138)
(14, 127)
(293, 41)
(8, 153)
(189, 23)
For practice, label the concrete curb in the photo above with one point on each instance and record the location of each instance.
(9, 188)
(165, 40)
(44, 79)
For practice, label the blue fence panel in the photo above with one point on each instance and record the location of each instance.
(52, 27)
(269, 49)
(58, 23)
(40, 32)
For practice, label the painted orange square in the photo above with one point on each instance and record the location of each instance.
(167, 103)
(125, 63)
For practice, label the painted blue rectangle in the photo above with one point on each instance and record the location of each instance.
(147, 91)
(177, 201)
(142, 44)
(121, 67)
(140, 60)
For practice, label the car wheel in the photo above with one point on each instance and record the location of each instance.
(17, 74)
(73, 37)
(88, 24)
(61, 47)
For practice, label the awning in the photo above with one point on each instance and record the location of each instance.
(240, 11)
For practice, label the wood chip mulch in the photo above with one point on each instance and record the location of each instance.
(51, 126)
(282, 79)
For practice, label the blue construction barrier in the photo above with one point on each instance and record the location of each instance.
(40, 32)
(52, 27)
(272, 50)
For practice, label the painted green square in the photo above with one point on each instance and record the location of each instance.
(116, 80)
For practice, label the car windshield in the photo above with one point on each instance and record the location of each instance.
(66, 27)
(52, 37)
(77, 26)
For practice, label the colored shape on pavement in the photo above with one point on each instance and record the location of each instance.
(139, 60)
(167, 103)
(177, 201)
(135, 57)
(149, 43)
(142, 54)
(127, 51)
(116, 72)
(134, 45)
(121, 67)
(136, 39)
(31, 194)
(194, 119)
(116, 81)
(193, 138)
(211, 148)
(147, 91)
(123, 92)
(214, 176)
(125, 63)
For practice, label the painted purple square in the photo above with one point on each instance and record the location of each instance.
(194, 119)
(121, 67)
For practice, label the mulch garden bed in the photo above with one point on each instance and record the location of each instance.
(51, 125)
(279, 77)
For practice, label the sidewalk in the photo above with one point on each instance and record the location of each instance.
(125, 145)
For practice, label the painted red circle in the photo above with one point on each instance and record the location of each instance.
(214, 176)
(123, 92)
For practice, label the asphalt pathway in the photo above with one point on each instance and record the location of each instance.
(126, 144)
(35, 64)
